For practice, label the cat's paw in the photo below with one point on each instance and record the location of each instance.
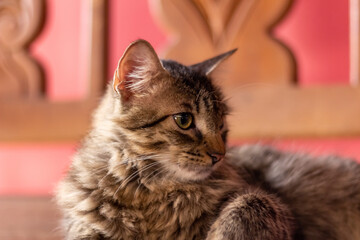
(253, 216)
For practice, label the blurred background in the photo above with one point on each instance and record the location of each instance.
(293, 82)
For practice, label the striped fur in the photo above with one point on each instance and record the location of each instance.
(137, 175)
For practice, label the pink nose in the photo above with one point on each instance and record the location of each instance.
(216, 157)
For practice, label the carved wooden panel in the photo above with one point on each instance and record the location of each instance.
(25, 112)
(20, 75)
(205, 28)
(273, 106)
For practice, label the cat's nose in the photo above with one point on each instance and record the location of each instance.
(216, 157)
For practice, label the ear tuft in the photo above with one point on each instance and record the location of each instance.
(138, 65)
(206, 67)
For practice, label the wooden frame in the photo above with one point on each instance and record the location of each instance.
(289, 112)
(275, 108)
(31, 117)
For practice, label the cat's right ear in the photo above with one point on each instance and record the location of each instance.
(138, 65)
(208, 66)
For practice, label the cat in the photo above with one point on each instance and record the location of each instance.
(323, 193)
(155, 166)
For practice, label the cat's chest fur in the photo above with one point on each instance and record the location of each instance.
(169, 210)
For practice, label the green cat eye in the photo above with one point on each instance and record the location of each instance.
(183, 120)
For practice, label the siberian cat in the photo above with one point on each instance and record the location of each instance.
(154, 167)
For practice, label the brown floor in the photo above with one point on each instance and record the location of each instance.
(28, 218)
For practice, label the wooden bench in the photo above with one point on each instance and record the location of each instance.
(30, 218)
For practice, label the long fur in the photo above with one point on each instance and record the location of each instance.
(137, 175)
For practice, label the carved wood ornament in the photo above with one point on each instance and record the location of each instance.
(25, 112)
(20, 75)
(204, 28)
(260, 78)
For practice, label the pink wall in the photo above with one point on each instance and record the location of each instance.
(33, 169)
(317, 33)
(58, 48)
(130, 20)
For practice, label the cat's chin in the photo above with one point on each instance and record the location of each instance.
(191, 173)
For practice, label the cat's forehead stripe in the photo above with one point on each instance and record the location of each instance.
(197, 104)
(187, 106)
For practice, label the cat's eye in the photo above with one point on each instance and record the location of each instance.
(183, 120)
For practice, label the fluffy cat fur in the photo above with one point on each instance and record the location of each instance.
(140, 174)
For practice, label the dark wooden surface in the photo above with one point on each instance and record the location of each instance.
(30, 218)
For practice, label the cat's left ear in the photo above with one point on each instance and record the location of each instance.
(206, 67)
(137, 67)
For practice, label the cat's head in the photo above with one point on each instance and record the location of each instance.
(170, 111)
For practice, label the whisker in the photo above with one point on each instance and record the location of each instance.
(133, 175)
(142, 158)
(161, 170)
(129, 178)
(164, 169)
(147, 178)
(99, 183)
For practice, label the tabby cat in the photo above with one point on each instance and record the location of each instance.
(154, 167)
